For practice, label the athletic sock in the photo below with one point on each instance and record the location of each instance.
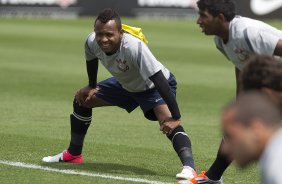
(220, 164)
(80, 121)
(182, 145)
(75, 149)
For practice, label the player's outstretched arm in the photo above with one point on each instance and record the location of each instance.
(84, 94)
(161, 84)
(163, 88)
(92, 71)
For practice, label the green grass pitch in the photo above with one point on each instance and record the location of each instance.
(42, 65)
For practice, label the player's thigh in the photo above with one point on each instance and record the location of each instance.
(153, 105)
(97, 102)
(111, 92)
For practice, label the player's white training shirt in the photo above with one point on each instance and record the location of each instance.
(247, 37)
(271, 160)
(131, 65)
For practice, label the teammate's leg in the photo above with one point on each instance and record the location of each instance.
(220, 164)
(181, 143)
(215, 172)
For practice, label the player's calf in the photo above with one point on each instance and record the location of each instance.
(182, 145)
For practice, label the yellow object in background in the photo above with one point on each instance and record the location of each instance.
(135, 31)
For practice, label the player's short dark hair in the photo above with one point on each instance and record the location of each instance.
(108, 14)
(216, 7)
(262, 72)
(255, 105)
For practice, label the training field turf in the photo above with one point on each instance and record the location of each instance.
(42, 65)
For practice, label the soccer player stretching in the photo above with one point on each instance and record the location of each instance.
(139, 79)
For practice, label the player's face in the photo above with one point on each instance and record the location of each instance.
(241, 141)
(108, 36)
(208, 23)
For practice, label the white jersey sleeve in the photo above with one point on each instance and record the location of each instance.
(88, 47)
(261, 41)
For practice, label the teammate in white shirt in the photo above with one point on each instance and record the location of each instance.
(237, 38)
(248, 36)
(139, 79)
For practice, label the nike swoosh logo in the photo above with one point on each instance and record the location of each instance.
(61, 160)
(263, 7)
(158, 99)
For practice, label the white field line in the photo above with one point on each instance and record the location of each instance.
(73, 172)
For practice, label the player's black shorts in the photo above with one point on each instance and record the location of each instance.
(111, 91)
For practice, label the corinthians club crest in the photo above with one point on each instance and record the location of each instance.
(122, 65)
(242, 54)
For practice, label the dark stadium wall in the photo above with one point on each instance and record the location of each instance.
(143, 8)
(39, 8)
(74, 8)
(92, 7)
(260, 9)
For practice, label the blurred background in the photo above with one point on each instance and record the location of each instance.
(132, 8)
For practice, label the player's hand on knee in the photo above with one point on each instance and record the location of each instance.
(168, 125)
(84, 95)
(91, 93)
(90, 100)
(79, 97)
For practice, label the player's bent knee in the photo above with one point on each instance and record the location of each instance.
(98, 102)
(80, 110)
